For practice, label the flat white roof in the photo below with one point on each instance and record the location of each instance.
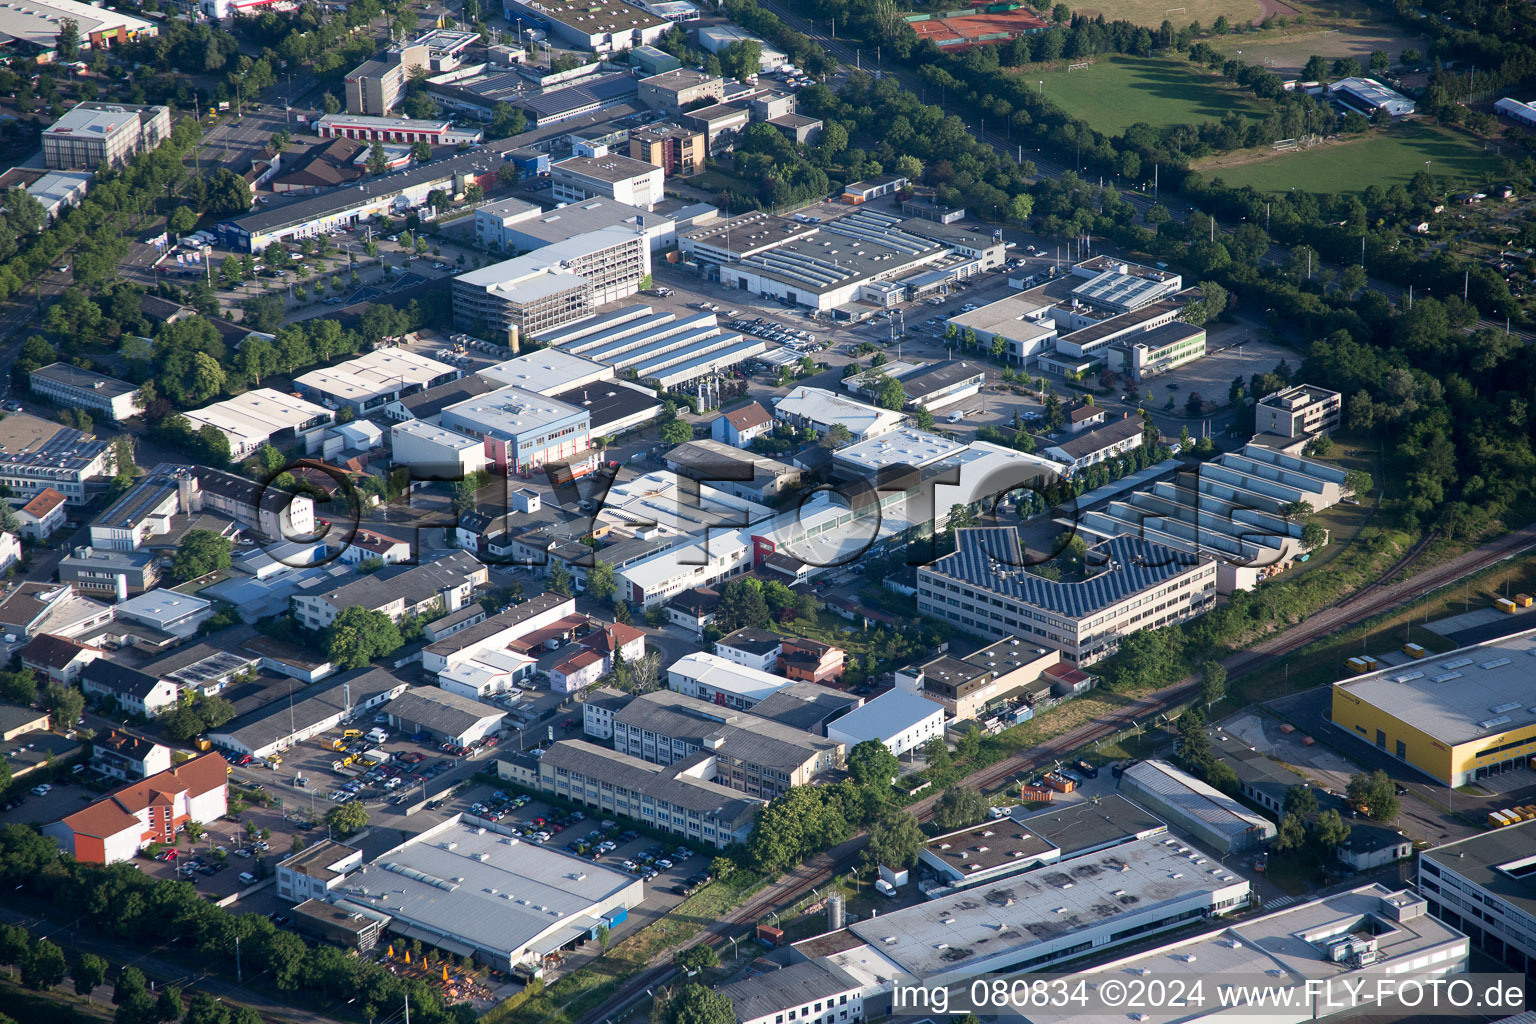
(889, 714)
(254, 416)
(162, 606)
(826, 408)
(37, 21)
(374, 373)
(678, 504)
(904, 446)
(486, 890)
(1014, 317)
(398, 123)
(435, 434)
(510, 412)
(718, 673)
(1469, 694)
(547, 371)
(1043, 907)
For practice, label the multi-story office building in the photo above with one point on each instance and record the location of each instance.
(314, 873)
(112, 575)
(523, 430)
(984, 588)
(753, 755)
(373, 379)
(678, 151)
(681, 798)
(1298, 411)
(620, 178)
(673, 91)
(154, 810)
(375, 86)
(93, 134)
(398, 592)
(36, 455)
(1482, 886)
(74, 388)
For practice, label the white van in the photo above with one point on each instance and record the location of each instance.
(246, 878)
(376, 735)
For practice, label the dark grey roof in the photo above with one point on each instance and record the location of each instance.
(575, 97)
(74, 377)
(607, 401)
(496, 623)
(700, 724)
(1111, 433)
(413, 583)
(668, 783)
(989, 557)
(311, 705)
(751, 640)
(776, 991)
(938, 376)
(700, 601)
(119, 678)
(1091, 825)
(440, 711)
(55, 652)
(426, 404)
(1478, 860)
(14, 716)
(1163, 334)
(803, 705)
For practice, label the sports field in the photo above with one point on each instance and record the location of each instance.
(1386, 159)
(1151, 13)
(1117, 92)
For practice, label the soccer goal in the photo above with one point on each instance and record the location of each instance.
(1080, 66)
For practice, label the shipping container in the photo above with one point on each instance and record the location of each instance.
(1524, 600)
(1504, 604)
(769, 935)
(616, 916)
(1414, 651)
(1035, 794)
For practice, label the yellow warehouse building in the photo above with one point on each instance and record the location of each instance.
(1457, 717)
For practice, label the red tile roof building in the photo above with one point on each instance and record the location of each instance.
(42, 515)
(810, 661)
(155, 810)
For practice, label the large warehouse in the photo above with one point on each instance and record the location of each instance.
(445, 717)
(1456, 717)
(472, 891)
(1202, 810)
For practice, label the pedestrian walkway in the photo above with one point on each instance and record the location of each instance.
(1278, 902)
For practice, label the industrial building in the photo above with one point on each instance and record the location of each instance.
(1054, 913)
(373, 379)
(260, 416)
(820, 410)
(553, 106)
(902, 721)
(1336, 943)
(717, 39)
(92, 134)
(37, 24)
(620, 178)
(442, 716)
(1369, 97)
(1515, 110)
(1088, 333)
(318, 708)
(396, 129)
(523, 430)
(810, 990)
(1203, 811)
(983, 588)
(673, 91)
(500, 632)
(756, 478)
(998, 675)
(553, 285)
(445, 584)
(904, 446)
(659, 577)
(1480, 887)
(681, 798)
(659, 348)
(747, 234)
(600, 26)
(515, 225)
(1117, 286)
(1024, 325)
(715, 680)
(1092, 447)
(1159, 350)
(754, 756)
(434, 452)
(55, 190)
(70, 387)
(471, 890)
(548, 371)
(1457, 734)
(859, 256)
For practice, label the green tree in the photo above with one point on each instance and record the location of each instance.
(890, 394)
(1213, 682)
(560, 580)
(837, 436)
(676, 432)
(1330, 830)
(1373, 794)
(378, 160)
(696, 1004)
(168, 1005)
(895, 840)
(330, 104)
(872, 764)
(347, 819)
(1292, 834)
(1313, 535)
(600, 582)
(182, 220)
(65, 703)
(1300, 801)
(20, 686)
(697, 958)
(205, 1009)
(360, 635)
(89, 973)
(200, 553)
(936, 753)
(959, 807)
(67, 42)
(44, 967)
(742, 604)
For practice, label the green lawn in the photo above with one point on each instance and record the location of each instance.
(1117, 92)
(1389, 158)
